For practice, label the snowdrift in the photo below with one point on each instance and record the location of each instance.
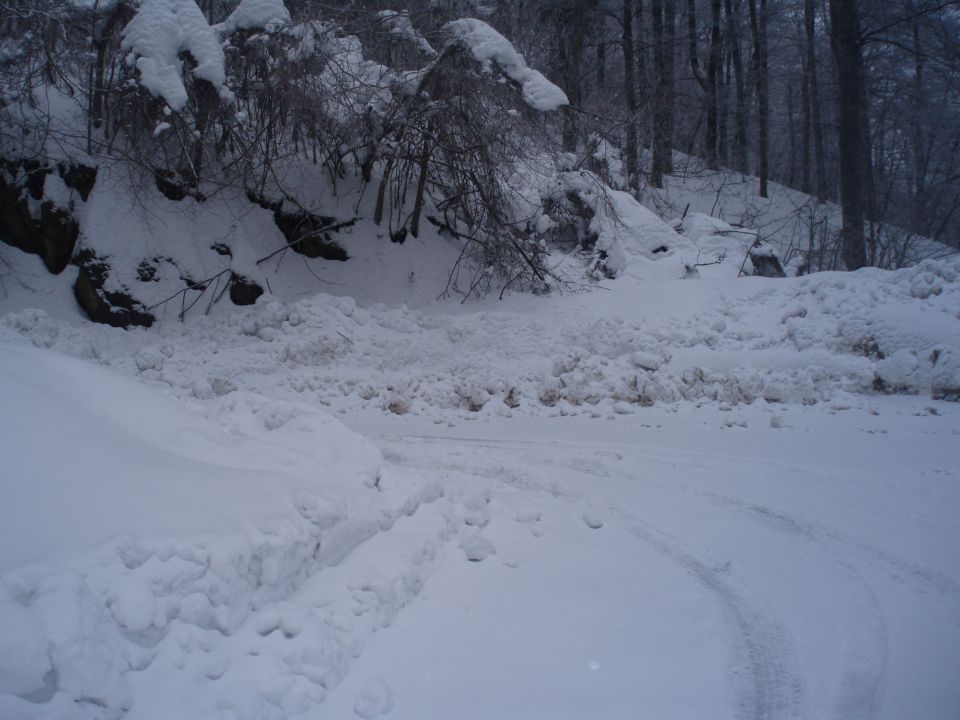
(133, 533)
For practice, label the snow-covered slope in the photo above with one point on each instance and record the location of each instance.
(753, 515)
(138, 542)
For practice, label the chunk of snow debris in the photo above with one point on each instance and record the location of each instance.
(157, 35)
(134, 606)
(375, 699)
(476, 511)
(592, 520)
(697, 226)
(776, 421)
(475, 546)
(646, 361)
(161, 128)
(399, 24)
(488, 46)
(255, 15)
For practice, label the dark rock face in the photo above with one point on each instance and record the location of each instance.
(243, 291)
(33, 224)
(305, 232)
(78, 177)
(171, 185)
(309, 234)
(111, 308)
(571, 230)
(766, 264)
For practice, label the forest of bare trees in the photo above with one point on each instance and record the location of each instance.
(855, 101)
(851, 101)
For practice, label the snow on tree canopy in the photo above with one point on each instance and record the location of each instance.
(487, 45)
(162, 30)
(256, 15)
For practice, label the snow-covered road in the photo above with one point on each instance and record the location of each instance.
(670, 500)
(748, 573)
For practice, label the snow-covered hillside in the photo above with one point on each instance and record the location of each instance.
(740, 521)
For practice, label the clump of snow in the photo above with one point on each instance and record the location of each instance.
(592, 520)
(488, 46)
(476, 547)
(375, 699)
(399, 25)
(353, 83)
(156, 36)
(626, 232)
(255, 15)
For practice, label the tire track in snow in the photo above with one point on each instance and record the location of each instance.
(896, 565)
(863, 678)
(774, 690)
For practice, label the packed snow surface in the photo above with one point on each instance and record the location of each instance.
(719, 497)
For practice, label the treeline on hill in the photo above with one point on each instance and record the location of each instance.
(854, 101)
(849, 100)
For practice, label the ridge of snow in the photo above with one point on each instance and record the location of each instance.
(255, 15)
(155, 37)
(488, 46)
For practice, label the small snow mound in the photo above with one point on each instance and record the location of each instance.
(375, 699)
(592, 520)
(475, 546)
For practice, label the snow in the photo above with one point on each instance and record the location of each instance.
(156, 36)
(255, 15)
(374, 699)
(488, 46)
(400, 26)
(714, 497)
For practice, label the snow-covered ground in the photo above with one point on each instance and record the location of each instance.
(684, 498)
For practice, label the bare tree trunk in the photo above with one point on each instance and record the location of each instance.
(805, 175)
(921, 148)
(669, 46)
(713, 73)
(421, 185)
(740, 109)
(630, 95)
(819, 154)
(692, 44)
(572, 27)
(601, 64)
(846, 42)
(758, 29)
(660, 140)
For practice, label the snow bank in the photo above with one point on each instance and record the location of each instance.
(175, 532)
(159, 32)
(488, 46)
(725, 340)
